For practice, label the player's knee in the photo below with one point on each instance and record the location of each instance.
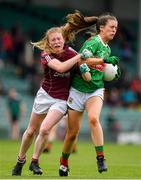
(93, 120)
(30, 132)
(72, 135)
(44, 132)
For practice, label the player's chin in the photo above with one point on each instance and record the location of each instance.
(58, 50)
(111, 37)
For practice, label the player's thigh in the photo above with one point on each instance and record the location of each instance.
(52, 118)
(93, 106)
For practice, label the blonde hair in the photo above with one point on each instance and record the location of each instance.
(76, 22)
(43, 44)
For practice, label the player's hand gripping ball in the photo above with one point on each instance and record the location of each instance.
(111, 72)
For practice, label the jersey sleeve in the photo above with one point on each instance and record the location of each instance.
(46, 58)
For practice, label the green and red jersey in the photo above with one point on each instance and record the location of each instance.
(101, 50)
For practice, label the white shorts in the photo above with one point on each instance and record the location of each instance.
(44, 102)
(78, 99)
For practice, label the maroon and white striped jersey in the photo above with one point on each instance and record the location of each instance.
(57, 84)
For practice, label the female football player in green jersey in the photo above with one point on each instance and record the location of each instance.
(88, 93)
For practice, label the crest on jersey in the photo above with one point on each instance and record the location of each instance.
(70, 100)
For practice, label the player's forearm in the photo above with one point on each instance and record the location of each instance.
(86, 76)
(92, 61)
(65, 66)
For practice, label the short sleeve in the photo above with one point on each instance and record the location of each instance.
(46, 58)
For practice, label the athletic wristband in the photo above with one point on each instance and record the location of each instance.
(84, 68)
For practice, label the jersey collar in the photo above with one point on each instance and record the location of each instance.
(106, 45)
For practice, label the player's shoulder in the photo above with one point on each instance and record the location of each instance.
(44, 54)
(69, 48)
(69, 52)
(72, 50)
(93, 40)
(91, 43)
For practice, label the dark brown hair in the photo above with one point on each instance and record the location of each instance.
(76, 22)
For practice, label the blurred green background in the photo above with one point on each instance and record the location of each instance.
(23, 21)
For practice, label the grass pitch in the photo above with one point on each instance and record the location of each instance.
(124, 162)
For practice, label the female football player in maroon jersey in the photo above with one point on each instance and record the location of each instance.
(50, 104)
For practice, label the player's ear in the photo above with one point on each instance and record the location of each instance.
(101, 27)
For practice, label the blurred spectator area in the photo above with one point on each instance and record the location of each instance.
(24, 21)
(127, 120)
(34, 18)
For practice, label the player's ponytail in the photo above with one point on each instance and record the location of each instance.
(76, 22)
